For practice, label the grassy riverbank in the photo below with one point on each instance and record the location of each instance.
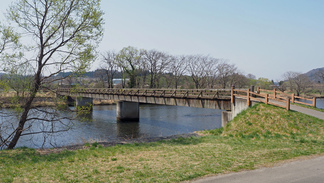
(260, 136)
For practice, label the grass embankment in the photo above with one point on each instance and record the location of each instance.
(260, 136)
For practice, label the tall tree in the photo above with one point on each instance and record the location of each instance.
(264, 83)
(198, 68)
(109, 65)
(176, 70)
(157, 63)
(60, 35)
(129, 58)
(225, 71)
(297, 82)
(212, 71)
(239, 80)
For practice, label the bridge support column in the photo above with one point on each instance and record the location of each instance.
(127, 111)
(84, 103)
(237, 107)
(227, 116)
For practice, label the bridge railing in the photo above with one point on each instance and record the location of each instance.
(279, 94)
(260, 97)
(170, 93)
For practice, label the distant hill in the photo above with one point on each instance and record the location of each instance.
(312, 74)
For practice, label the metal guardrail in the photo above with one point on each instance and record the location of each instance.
(166, 93)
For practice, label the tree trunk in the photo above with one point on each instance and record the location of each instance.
(21, 124)
(152, 80)
(24, 115)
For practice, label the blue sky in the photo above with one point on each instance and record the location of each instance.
(263, 37)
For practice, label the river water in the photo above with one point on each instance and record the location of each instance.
(155, 121)
(320, 103)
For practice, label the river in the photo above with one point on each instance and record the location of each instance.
(320, 103)
(155, 121)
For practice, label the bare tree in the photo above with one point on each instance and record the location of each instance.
(109, 65)
(143, 70)
(297, 82)
(100, 77)
(225, 71)
(61, 35)
(198, 67)
(251, 76)
(157, 62)
(239, 80)
(175, 70)
(212, 72)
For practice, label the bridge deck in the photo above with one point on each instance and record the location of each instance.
(216, 99)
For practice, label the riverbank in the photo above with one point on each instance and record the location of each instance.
(260, 136)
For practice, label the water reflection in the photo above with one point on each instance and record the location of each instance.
(128, 130)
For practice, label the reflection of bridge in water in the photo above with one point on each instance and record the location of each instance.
(129, 99)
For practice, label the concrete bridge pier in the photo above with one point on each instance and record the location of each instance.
(237, 107)
(127, 111)
(84, 103)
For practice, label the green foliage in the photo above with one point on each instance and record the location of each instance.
(95, 144)
(264, 83)
(4, 86)
(129, 59)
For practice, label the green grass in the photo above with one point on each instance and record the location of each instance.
(248, 142)
(270, 121)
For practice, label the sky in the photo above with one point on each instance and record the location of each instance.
(265, 38)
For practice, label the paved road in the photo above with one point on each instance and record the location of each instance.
(301, 171)
(310, 112)
(304, 110)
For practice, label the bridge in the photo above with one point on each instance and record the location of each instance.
(128, 99)
(233, 101)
